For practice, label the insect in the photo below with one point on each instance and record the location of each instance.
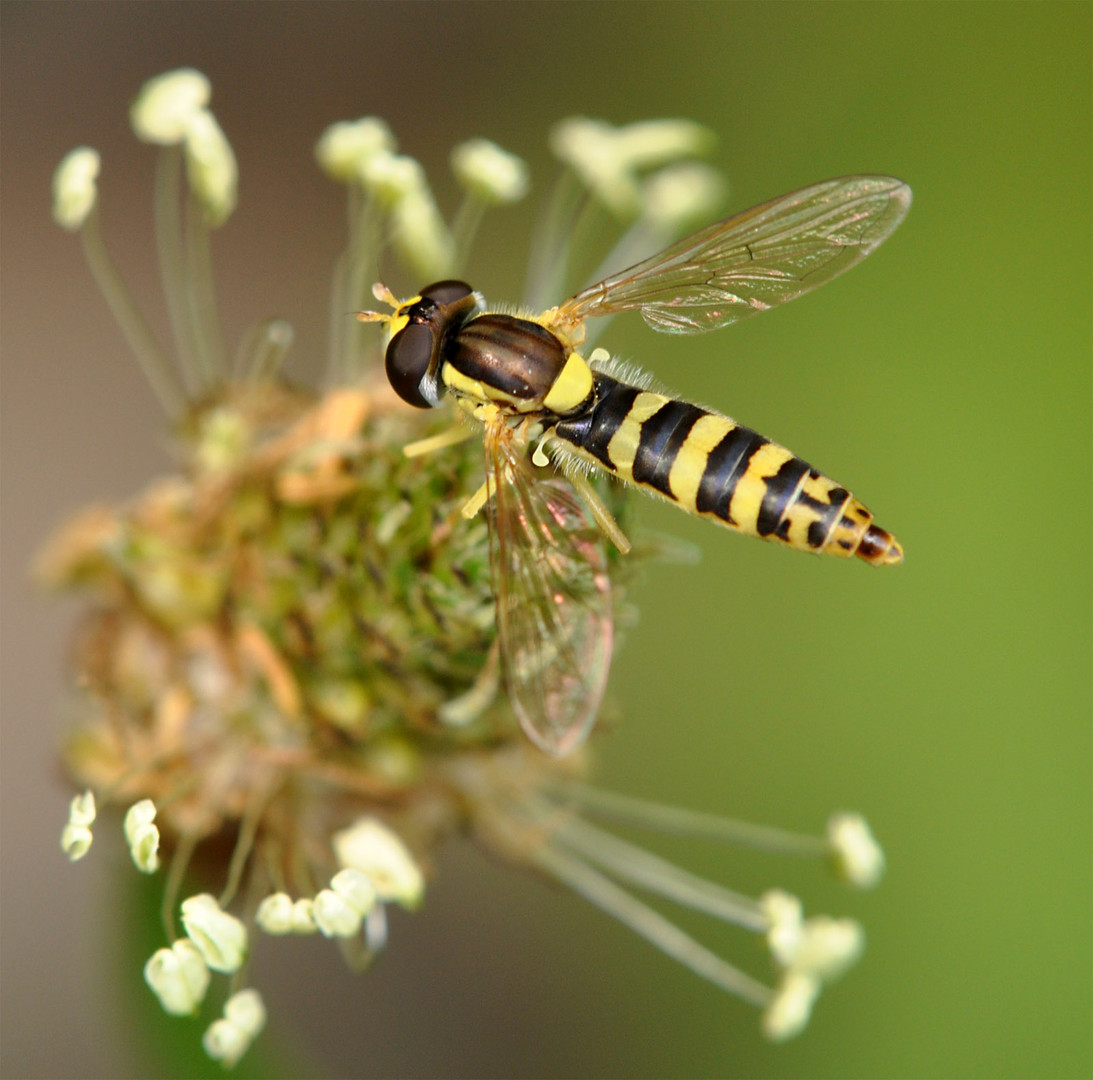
(524, 380)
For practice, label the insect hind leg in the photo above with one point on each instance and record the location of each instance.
(600, 514)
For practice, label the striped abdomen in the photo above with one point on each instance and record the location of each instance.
(714, 467)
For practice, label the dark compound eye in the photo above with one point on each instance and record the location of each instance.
(407, 361)
(446, 292)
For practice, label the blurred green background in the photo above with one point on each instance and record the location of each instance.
(946, 381)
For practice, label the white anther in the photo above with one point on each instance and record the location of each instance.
(211, 167)
(372, 848)
(274, 914)
(355, 889)
(791, 1008)
(346, 146)
(76, 835)
(178, 976)
(229, 1038)
(493, 174)
(858, 857)
(74, 189)
(166, 106)
(334, 915)
(143, 836)
(221, 938)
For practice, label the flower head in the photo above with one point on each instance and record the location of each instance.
(294, 640)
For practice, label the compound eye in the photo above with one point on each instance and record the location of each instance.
(446, 292)
(407, 361)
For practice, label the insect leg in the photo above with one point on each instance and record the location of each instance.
(602, 516)
(459, 433)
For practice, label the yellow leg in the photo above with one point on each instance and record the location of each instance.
(603, 517)
(451, 437)
(478, 499)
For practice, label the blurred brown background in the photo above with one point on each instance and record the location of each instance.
(946, 381)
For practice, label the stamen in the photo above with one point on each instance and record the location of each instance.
(211, 168)
(358, 265)
(180, 861)
(789, 1011)
(229, 1038)
(219, 936)
(74, 191)
(642, 868)
(244, 845)
(201, 297)
(649, 924)
(549, 254)
(345, 145)
(857, 856)
(490, 176)
(673, 819)
(179, 977)
(150, 356)
(370, 848)
(263, 350)
(274, 914)
(76, 836)
(172, 263)
(143, 836)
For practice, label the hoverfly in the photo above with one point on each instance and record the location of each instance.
(523, 379)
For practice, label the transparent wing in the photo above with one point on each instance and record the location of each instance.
(753, 261)
(554, 615)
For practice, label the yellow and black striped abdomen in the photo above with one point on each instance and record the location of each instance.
(711, 466)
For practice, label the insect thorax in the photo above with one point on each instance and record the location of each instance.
(517, 364)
